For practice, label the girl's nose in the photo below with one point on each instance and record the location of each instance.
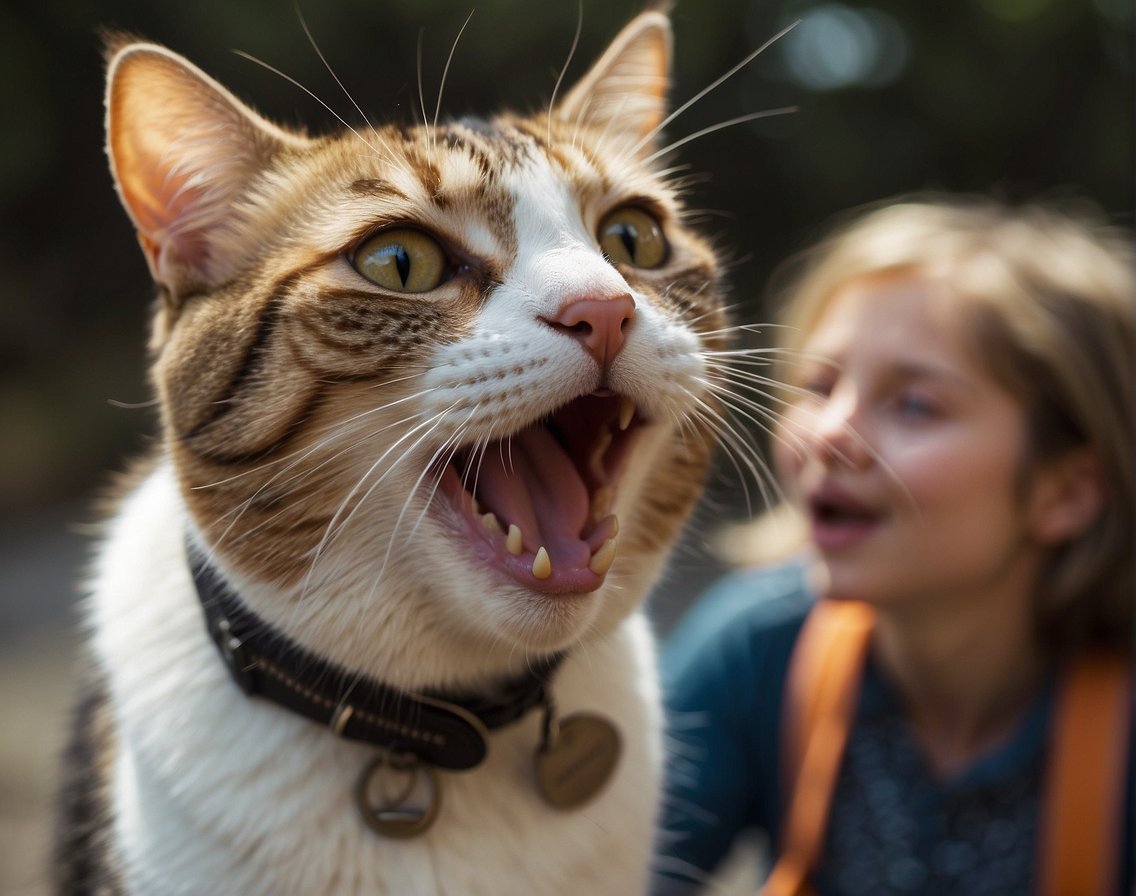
(834, 437)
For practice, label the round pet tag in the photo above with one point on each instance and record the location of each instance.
(577, 760)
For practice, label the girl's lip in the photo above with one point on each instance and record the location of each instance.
(838, 519)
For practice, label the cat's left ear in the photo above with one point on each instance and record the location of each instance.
(626, 90)
(183, 151)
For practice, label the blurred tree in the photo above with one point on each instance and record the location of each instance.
(1021, 97)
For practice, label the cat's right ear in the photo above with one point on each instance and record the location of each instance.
(182, 150)
(625, 92)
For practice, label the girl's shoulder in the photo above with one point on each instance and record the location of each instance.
(762, 600)
(747, 622)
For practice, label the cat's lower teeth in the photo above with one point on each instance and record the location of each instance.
(601, 560)
(542, 564)
(514, 543)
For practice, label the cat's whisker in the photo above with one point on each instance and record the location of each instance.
(669, 175)
(450, 448)
(762, 418)
(862, 446)
(413, 492)
(446, 69)
(746, 357)
(477, 458)
(306, 472)
(749, 379)
(133, 405)
(341, 518)
(741, 119)
(431, 133)
(331, 71)
(739, 451)
(373, 318)
(508, 456)
(654, 132)
(301, 455)
(564, 68)
(297, 84)
(295, 459)
(783, 394)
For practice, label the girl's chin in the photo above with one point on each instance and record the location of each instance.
(833, 580)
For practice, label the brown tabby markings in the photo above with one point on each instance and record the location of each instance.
(283, 349)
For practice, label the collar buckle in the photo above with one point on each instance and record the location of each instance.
(233, 652)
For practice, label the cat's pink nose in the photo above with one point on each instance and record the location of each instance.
(598, 324)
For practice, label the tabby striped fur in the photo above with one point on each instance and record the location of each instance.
(307, 416)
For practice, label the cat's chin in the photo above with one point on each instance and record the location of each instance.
(536, 507)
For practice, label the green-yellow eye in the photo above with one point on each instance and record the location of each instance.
(630, 235)
(401, 260)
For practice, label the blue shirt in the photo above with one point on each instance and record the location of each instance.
(894, 827)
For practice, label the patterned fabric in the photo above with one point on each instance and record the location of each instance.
(895, 827)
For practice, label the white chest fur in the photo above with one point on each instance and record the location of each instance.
(215, 792)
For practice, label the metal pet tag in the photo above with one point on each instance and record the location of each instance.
(409, 795)
(576, 759)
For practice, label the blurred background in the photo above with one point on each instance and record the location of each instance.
(1021, 98)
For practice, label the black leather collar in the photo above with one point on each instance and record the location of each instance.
(445, 730)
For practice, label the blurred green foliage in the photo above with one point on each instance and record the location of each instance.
(1023, 98)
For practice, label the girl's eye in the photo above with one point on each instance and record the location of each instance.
(816, 388)
(816, 383)
(401, 260)
(630, 235)
(915, 405)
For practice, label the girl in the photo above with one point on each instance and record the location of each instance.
(957, 439)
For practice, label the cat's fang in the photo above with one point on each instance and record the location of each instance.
(542, 565)
(599, 449)
(514, 543)
(603, 558)
(626, 412)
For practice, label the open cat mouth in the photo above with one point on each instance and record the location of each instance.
(537, 505)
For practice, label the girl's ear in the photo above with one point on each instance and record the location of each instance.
(1067, 496)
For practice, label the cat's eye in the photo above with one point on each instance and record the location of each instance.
(631, 235)
(401, 260)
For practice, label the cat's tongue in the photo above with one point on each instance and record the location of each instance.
(532, 482)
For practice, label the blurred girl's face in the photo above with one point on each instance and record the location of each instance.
(903, 453)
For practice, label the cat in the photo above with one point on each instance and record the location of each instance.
(435, 402)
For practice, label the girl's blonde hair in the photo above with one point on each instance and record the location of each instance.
(1050, 302)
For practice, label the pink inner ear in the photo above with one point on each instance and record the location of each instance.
(162, 206)
(183, 150)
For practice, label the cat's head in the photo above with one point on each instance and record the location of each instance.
(377, 352)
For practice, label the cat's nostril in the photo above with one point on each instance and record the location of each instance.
(600, 325)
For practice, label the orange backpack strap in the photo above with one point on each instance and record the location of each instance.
(821, 693)
(1081, 823)
(1079, 850)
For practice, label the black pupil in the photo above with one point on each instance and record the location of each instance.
(402, 262)
(629, 236)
